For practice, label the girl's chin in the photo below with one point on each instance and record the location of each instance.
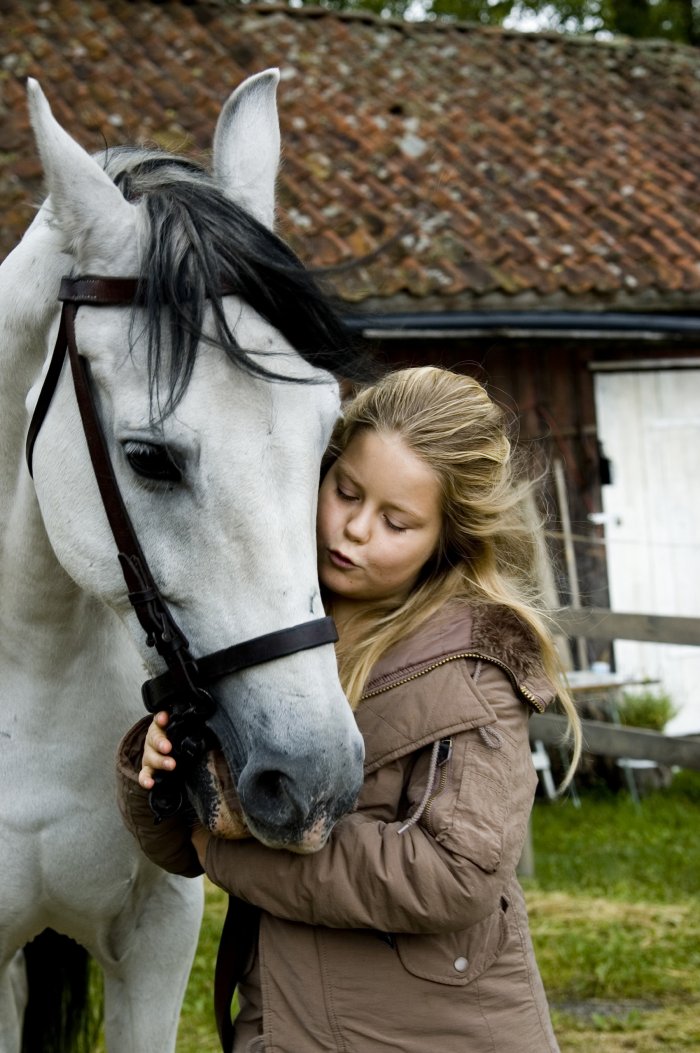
(338, 580)
(349, 594)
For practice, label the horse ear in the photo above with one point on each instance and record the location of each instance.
(247, 145)
(85, 205)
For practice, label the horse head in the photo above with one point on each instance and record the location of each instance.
(216, 396)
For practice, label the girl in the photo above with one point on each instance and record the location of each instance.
(408, 930)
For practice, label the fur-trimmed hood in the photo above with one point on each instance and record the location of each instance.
(490, 632)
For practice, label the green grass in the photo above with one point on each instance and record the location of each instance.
(611, 848)
(614, 918)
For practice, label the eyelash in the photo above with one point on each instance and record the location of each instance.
(351, 497)
(153, 463)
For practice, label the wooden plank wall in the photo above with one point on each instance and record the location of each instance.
(548, 386)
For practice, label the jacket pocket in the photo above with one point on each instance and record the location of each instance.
(455, 958)
(470, 819)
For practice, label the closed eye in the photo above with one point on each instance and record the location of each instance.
(344, 495)
(152, 461)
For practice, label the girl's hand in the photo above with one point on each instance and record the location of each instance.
(155, 752)
(200, 840)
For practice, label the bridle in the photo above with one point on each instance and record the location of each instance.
(183, 689)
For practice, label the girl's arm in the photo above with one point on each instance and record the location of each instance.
(444, 873)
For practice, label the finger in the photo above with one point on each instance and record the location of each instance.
(155, 760)
(146, 780)
(156, 739)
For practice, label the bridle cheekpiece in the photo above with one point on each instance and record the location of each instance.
(183, 690)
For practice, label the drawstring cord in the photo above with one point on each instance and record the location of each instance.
(428, 790)
(489, 735)
(491, 738)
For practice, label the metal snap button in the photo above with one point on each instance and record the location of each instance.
(461, 964)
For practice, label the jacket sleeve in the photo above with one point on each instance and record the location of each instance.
(444, 873)
(168, 844)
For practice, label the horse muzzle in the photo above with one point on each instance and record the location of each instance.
(284, 799)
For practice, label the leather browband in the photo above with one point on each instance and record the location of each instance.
(102, 292)
(110, 292)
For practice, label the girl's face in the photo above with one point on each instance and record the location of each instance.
(379, 519)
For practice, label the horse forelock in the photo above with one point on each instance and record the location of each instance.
(199, 242)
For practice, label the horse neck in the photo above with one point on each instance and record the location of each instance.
(66, 659)
(40, 607)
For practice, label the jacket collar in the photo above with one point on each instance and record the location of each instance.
(490, 633)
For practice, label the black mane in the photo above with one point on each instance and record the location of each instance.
(200, 243)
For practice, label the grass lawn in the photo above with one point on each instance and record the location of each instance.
(615, 921)
(614, 916)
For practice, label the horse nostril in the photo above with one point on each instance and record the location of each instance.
(272, 797)
(284, 797)
(270, 785)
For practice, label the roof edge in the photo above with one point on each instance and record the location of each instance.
(371, 18)
(587, 325)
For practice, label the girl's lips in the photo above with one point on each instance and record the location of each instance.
(338, 559)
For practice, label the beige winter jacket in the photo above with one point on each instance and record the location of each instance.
(408, 931)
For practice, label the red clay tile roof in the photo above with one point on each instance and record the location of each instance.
(463, 167)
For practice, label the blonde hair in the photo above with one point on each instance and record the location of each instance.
(488, 550)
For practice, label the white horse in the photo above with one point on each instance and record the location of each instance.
(218, 464)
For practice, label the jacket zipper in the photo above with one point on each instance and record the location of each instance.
(452, 658)
(444, 754)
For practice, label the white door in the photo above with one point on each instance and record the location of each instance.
(649, 426)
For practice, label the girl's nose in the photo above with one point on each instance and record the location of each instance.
(357, 527)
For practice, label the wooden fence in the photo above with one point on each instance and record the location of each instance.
(598, 623)
(613, 740)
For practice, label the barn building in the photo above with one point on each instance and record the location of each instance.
(524, 206)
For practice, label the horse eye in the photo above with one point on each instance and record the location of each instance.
(152, 461)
